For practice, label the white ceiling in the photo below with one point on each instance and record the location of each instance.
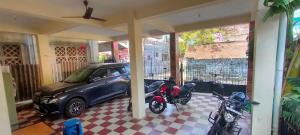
(14, 18)
(98, 31)
(47, 11)
(102, 8)
(210, 12)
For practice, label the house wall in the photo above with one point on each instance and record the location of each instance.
(11, 37)
(46, 58)
(156, 56)
(124, 55)
(24, 49)
(68, 51)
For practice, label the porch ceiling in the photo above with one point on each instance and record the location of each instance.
(158, 16)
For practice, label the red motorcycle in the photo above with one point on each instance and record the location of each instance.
(171, 93)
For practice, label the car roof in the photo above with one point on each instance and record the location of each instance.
(107, 65)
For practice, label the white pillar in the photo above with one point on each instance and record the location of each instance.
(266, 37)
(4, 117)
(279, 72)
(31, 46)
(94, 51)
(136, 51)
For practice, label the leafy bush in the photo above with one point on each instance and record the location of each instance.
(291, 103)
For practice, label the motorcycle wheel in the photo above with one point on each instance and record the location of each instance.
(187, 98)
(157, 107)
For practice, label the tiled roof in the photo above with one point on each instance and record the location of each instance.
(218, 50)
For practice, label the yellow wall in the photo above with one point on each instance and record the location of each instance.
(46, 58)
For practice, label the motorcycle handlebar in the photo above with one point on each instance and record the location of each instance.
(218, 95)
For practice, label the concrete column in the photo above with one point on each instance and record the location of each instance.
(115, 50)
(174, 57)
(136, 51)
(94, 51)
(4, 117)
(266, 37)
(46, 58)
(31, 47)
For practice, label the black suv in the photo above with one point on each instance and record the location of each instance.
(86, 87)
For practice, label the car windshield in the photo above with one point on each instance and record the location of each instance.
(79, 75)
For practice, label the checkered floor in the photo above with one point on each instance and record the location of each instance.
(113, 119)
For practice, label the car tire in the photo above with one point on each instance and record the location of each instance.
(188, 97)
(75, 107)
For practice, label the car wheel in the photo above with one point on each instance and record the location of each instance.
(74, 107)
(187, 98)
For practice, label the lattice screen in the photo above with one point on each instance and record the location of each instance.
(70, 54)
(10, 54)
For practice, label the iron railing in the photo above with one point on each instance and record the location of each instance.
(156, 71)
(225, 71)
(27, 80)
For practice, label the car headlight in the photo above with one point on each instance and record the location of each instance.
(54, 100)
(44, 100)
(49, 100)
(228, 117)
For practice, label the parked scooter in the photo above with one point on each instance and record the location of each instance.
(150, 91)
(171, 93)
(230, 111)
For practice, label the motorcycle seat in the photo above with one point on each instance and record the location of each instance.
(189, 85)
(152, 87)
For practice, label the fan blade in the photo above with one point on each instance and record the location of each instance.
(88, 13)
(99, 19)
(72, 17)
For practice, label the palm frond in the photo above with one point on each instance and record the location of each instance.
(290, 105)
(271, 12)
(296, 90)
(280, 6)
(294, 81)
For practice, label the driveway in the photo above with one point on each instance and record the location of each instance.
(112, 118)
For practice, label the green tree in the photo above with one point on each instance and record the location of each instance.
(199, 37)
(283, 6)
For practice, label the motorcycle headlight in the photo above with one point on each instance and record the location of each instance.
(228, 117)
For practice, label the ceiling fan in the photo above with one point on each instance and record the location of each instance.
(87, 14)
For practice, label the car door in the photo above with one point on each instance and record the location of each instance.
(117, 81)
(98, 86)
